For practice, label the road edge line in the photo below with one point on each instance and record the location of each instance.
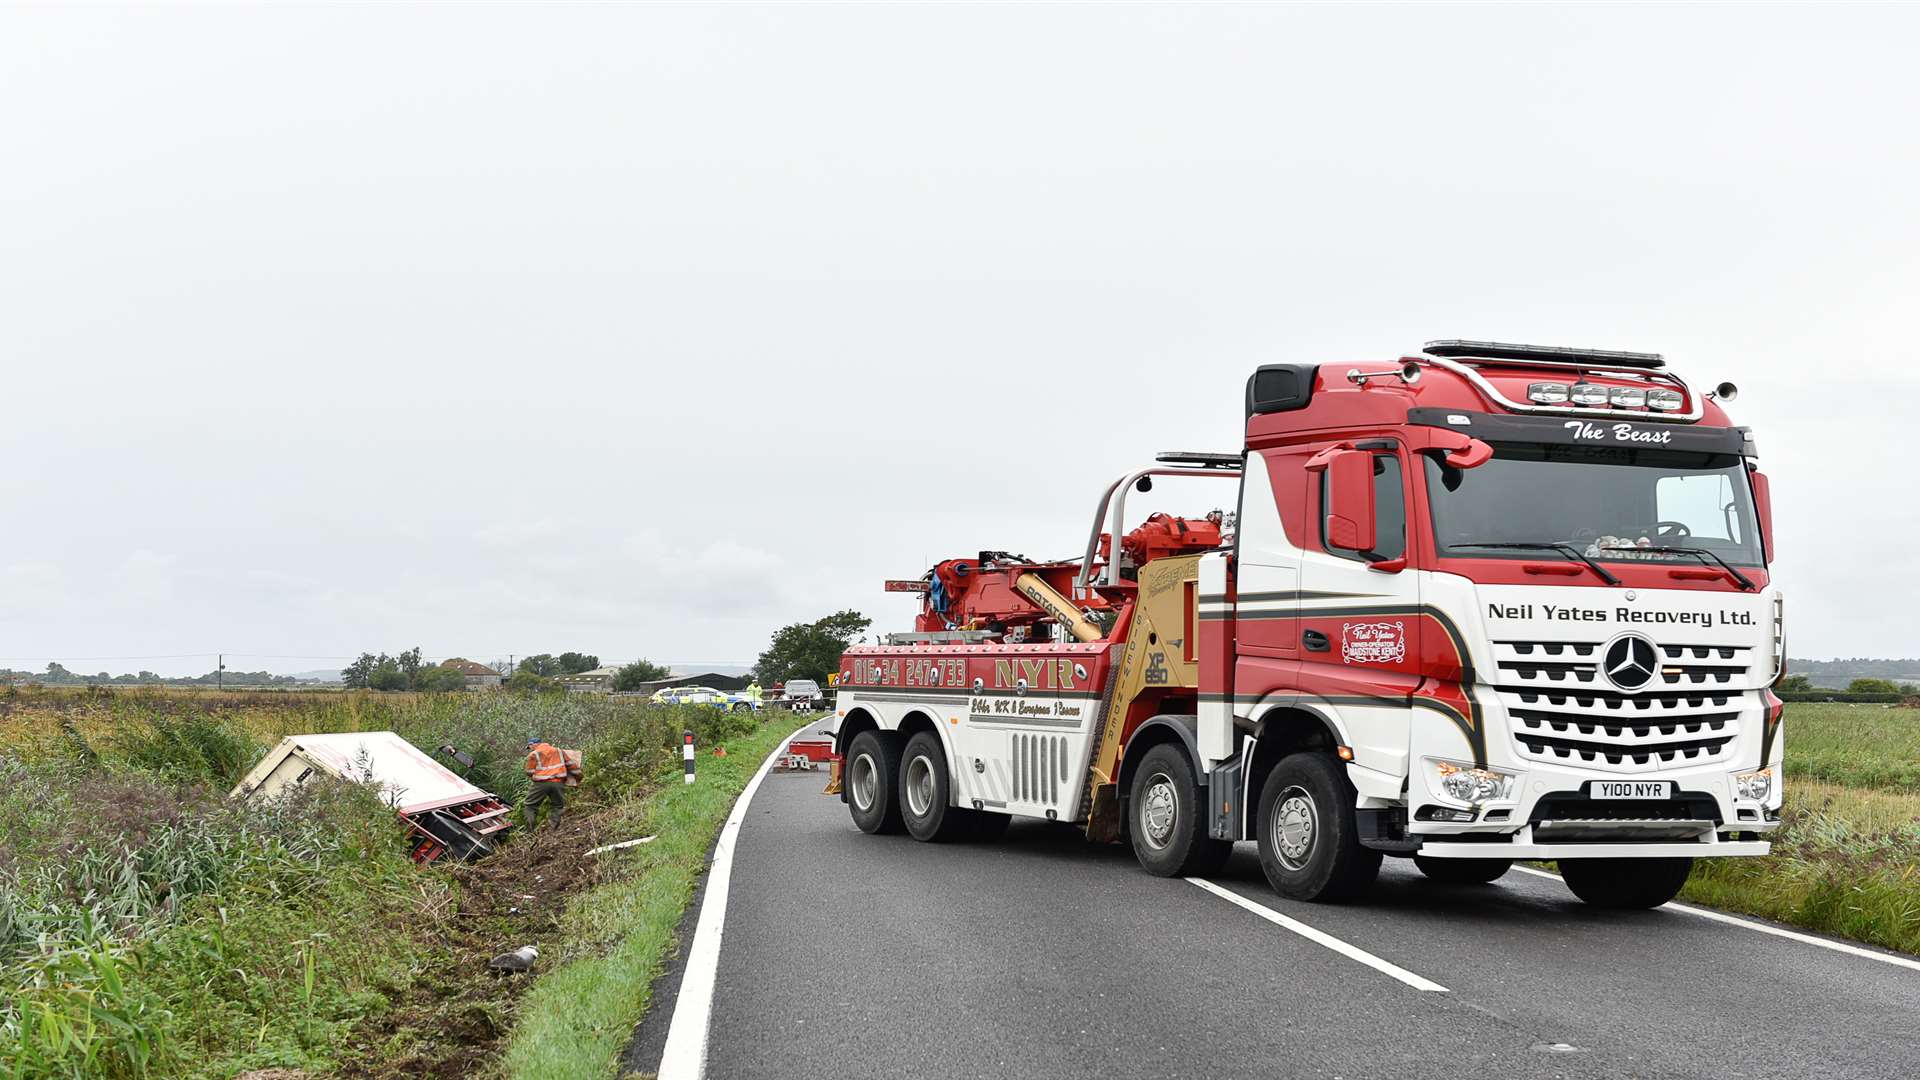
(1792, 935)
(1321, 937)
(685, 1055)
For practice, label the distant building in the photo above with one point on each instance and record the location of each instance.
(597, 681)
(731, 684)
(478, 676)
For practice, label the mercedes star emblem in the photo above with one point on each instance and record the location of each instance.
(1630, 661)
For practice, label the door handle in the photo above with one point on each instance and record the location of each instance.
(1316, 641)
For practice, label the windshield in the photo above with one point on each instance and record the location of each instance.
(1606, 502)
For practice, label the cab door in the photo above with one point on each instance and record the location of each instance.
(1360, 620)
(1266, 608)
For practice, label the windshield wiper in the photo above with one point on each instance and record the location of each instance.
(1745, 582)
(1568, 550)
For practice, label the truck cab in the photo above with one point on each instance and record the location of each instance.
(1483, 604)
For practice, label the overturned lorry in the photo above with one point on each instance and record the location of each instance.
(442, 812)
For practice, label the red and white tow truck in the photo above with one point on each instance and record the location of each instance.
(1487, 603)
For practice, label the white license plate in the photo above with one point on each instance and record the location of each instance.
(1630, 789)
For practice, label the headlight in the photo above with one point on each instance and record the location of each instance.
(1754, 786)
(1468, 784)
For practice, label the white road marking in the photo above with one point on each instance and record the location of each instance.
(685, 1055)
(1352, 952)
(1808, 939)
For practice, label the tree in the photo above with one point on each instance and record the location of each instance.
(359, 674)
(573, 663)
(440, 679)
(632, 676)
(810, 650)
(1796, 684)
(1872, 686)
(530, 682)
(410, 665)
(387, 674)
(541, 664)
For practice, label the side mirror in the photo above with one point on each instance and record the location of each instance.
(1350, 519)
(1763, 508)
(1461, 451)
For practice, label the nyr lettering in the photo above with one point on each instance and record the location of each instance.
(1625, 433)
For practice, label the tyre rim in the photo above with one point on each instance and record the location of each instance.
(1294, 827)
(919, 786)
(865, 779)
(1158, 809)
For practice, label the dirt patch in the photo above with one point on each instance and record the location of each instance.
(450, 1020)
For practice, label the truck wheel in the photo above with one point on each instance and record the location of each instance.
(925, 803)
(1309, 843)
(1626, 883)
(1165, 820)
(873, 767)
(1462, 871)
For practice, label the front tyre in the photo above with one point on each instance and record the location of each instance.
(1626, 883)
(1308, 839)
(925, 794)
(1165, 821)
(1462, 871)
(872, 769)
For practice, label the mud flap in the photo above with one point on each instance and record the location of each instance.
(1224, 785)
(1105, 816)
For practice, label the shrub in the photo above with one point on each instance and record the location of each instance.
(189, 747)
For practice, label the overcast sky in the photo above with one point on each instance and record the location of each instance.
(642, 331)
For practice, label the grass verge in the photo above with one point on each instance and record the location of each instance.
(1846, 861)
(151, 928)
(1861, 746)
(578, 1015)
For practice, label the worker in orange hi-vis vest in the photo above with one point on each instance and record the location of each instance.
(547, 769)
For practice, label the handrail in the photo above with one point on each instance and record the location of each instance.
(1110, 573)
(1464, 368)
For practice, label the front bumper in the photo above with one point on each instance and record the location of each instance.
(1522, 846)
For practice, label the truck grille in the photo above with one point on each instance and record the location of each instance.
(1562, 710)
(1577, 663)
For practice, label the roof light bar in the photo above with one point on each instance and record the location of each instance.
(1666, 399)
(1496, 350)
(1198, 458)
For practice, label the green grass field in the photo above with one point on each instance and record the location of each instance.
(1846, 859)
(148, 928)
(1864, 746)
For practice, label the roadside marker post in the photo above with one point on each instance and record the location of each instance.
(686, 749)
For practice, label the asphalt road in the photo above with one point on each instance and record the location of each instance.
(1037, 955)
